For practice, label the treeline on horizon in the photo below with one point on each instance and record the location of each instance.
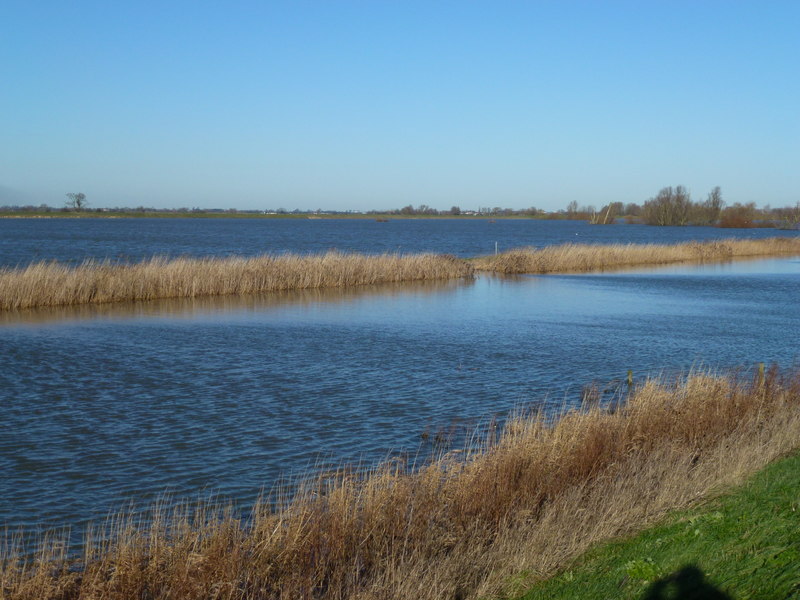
(674, 206)
(671, 206)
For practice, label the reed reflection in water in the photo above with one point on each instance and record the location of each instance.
(190, 308)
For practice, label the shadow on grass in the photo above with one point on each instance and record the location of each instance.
(687, 584)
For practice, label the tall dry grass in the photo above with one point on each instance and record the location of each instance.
(206, 305)
(53, 284)
(464, 526)
(571, 258)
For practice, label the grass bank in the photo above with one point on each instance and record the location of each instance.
(577, 258)
(52, 284)
(742, 545)
(529, 500)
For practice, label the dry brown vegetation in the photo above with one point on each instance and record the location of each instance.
(53, 284)
(206, 305)
(585, 257)
(464, 526)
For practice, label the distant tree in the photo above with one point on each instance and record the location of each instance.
(572, 208)
(607, 215)
(739, 215)
(708, 212)
(77, 201)
(632, 209)
(714, 200)
(671, 206)
(682, 205)
(789, 215)
(455, 210)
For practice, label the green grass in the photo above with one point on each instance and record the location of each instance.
(744, 545)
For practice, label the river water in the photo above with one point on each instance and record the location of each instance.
(107, 405)
(73, 240)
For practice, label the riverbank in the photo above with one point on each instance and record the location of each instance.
(741, 545)
(580, 258)
(528, 499)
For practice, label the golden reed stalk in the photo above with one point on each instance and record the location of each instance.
(52, 284)
(464, 526)
(576, 258)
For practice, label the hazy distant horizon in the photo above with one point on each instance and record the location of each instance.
(11, 197)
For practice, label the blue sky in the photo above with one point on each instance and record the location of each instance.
(360, 105)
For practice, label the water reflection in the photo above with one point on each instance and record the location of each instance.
(193, 308)
(116, 403)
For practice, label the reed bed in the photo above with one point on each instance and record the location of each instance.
(96, 282)
(53, 284)
(479, 523)
(576, 258)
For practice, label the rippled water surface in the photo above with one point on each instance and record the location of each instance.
(110, 404)
(73, 240)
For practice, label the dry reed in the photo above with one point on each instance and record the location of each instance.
(460, 527)
(576, 258)
(53, 284)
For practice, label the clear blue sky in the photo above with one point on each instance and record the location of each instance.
(378, 104)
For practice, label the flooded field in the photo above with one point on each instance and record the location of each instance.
(121, 403)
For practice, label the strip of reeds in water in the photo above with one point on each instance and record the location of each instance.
(576, 258)
(463, 526)
(53, 284)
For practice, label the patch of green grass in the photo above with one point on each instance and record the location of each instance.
(745, 545)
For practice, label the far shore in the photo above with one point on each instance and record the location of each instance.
(260, 215)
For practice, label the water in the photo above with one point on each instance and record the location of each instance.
(111, 404)
(73, 240)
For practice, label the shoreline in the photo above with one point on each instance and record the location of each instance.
(532, 499)
(46, 284)
(383, 217)
(586, 258)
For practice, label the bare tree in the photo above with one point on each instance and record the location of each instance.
(670, 207)
(682, 205)
(632, 209)
(790, 216)
(713, 206)
(77, 201)
(572, 209)
(739, 215)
